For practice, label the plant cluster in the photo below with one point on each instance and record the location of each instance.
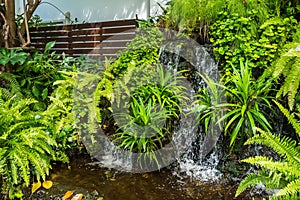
(25, 145)
(142, 50)
(153, 107)
(196, 16)
(247, 100)
(236, 38)
(36, 115)
(282, 175)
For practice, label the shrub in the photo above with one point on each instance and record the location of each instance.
(25, 145)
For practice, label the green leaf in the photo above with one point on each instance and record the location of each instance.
(35, 91)
(49, 45)
(44, 93)
(236, 130)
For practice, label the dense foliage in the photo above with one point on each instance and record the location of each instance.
(256, 44)
(35, 129)
(264, 35)
(25, 145)
(283, 174)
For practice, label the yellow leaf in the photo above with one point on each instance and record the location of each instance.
(47, 184)
(112, 179)
(68, 194)
(35, 186)
(77, 197)
(145, 175)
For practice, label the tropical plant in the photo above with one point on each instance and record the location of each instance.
(60, 113)
(12, 57)
(153, 107)
(282, 175)
(37, 75)
(208, 103)
(248, 101)
(288, 65)
(25, 145)
(145, 129)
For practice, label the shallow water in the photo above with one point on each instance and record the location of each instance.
(94, 182)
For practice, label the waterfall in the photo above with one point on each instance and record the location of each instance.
(196, 161)
(194, 153)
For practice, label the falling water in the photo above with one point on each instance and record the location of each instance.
(195, 162)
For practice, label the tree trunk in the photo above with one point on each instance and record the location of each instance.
(10, 17)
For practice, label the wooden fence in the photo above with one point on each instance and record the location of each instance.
(97, 40)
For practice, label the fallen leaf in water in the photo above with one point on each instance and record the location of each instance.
(108, 174)
(112, 179)
(35, 186)
(47, 184)
(77, 197)
(68, 194)
(145, 175)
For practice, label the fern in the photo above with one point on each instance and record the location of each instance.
(28, 149)
(10, 87)
(290, 117)
(284, 174)
(61, 113)
(288, 66)
(252, 180)
(285, 168)
(285, 147)
(290, 189)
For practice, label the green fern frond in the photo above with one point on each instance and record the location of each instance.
(285, 147)
(285, 168)
(18, 159)
(290, 116)
(11, 89)
(14, 173)
(250, 181)
(39, 168)
(288, 65)
(291, 189)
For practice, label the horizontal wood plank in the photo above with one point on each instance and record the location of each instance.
(82, 32)
(96, 44)
(87, 51)
(85, 39)
(107, 24)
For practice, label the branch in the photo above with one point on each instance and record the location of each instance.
(26, 24)
(6, 30)
(32, 5)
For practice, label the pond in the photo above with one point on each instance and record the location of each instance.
(84, 177)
